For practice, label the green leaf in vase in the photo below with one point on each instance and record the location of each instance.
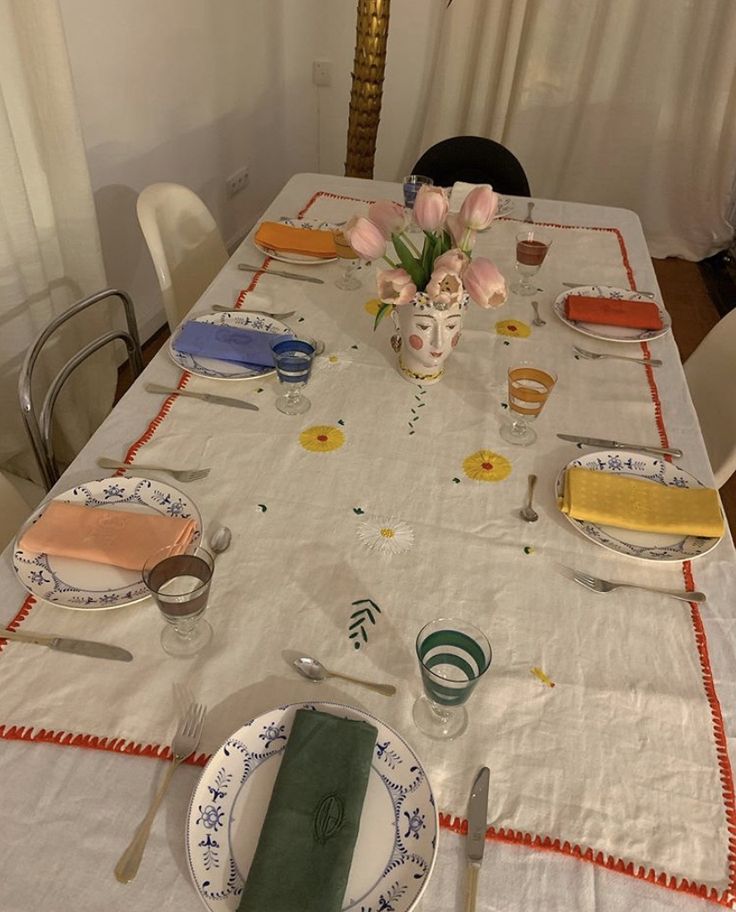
(410, 264)
(381, 313)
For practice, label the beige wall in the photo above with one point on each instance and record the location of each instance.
(191, 90)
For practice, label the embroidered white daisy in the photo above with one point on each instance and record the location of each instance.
(387, 536)
(332, 361)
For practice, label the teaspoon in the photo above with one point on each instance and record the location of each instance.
(527, 512)
(220, 541)
(316, 671)
(537, 321)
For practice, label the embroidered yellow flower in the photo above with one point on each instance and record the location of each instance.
(322, 438)
(487, 466)
(513, 328)
(371, 307)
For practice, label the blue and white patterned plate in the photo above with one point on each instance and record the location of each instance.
(611, 333)
(83, 584)
(396, 844)
(226, 370)
(299, 259)
(650, 546)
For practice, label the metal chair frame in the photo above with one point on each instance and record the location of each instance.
(38, 425)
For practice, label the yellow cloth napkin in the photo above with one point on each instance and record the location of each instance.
(608, 499)
(118, 537)
(287, 239)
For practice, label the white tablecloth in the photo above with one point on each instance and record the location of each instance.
(624, 756)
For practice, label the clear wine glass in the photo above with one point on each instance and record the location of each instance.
(528, 390)
(292, 359)
(453, 656)
(180, 584)
(532, 246)
(348, 281)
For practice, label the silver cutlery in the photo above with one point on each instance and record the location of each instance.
(278, 272)
(69, 644)
(647, 294)
(596, 584)
(185, 743)
(205, 397)
(220, 541)
(527, 512)
(475, 842)
(179, 474)
(595, 356)
(263, 313)
(615, 445)
(529, 210)
(315, 671)
(537, 321)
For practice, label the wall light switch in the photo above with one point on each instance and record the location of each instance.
(322, 72)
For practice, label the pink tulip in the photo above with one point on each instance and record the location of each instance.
(479, 208)
(365, 238)
(462, 237)
(395, 287)
(431, 207)
(453, 261)
(445, 288)
(484, 283)
(389, 217)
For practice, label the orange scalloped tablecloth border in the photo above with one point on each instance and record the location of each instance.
(449, 820)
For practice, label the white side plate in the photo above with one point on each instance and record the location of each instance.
(611, 333)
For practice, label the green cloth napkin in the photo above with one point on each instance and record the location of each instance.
(303, 857)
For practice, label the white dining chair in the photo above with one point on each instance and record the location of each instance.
(711, 375)
(184, 242)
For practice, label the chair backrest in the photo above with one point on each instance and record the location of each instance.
(476, 160)
(38, 424)
(184, 242)
(13, 510)
(711, 376)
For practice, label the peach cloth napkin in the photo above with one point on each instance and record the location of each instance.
(287, 239)
(117, 537)
(608, 499)
(613, 312)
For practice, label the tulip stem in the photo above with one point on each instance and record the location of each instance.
(391, 262)
(405, 237)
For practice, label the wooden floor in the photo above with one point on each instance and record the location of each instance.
(686, 298)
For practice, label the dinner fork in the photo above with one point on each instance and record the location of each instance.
(184, 744)
(600, 585)
(594, 356)
(263, 313)
(179, 474)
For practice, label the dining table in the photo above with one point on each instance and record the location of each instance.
(606, 720)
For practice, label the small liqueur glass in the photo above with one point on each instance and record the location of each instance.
(292, 359)
(348, 281)
(528, 390)
(532, 246)
(453, 656)
(180, 584)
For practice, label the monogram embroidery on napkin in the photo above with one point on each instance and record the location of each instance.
(328, 817)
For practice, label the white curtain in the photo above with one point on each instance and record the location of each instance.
(627, 103)
(49, 244)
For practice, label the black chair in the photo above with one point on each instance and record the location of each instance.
(476, 160)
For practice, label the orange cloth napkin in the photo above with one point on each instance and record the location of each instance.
(613, 312)
(116, 537)
(287, 239)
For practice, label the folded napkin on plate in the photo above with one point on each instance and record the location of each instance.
(613, 312)
(305, 849)
(117, 537)
(227, 343)
(607, 499)
(460, 189)
(288, 239)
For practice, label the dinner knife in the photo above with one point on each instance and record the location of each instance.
(647, 294)
(476, 838)
(615, 445)
(206, 397)
(284, 275)
(68, 644)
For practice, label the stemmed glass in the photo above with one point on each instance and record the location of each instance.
(453, 656)
(180, 584)
(293, 361)
(348, 281)
(532, 246)
(529, 389)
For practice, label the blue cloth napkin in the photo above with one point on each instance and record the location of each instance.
(228, 343)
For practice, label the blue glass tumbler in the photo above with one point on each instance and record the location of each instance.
(292, 359)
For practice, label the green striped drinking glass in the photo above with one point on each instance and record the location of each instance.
(453, 656)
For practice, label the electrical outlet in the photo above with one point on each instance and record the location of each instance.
(237, 181)
(322, 72)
